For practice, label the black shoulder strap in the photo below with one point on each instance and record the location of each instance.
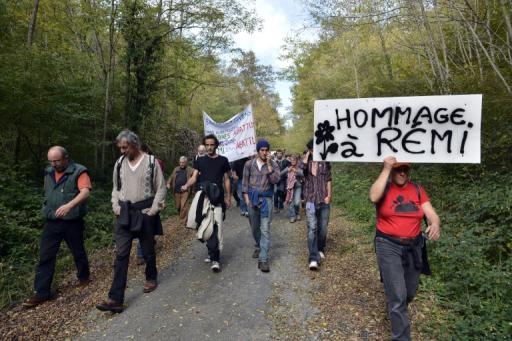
(118, 171)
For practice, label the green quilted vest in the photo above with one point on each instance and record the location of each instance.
(62, 192)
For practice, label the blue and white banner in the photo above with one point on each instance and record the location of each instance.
(237, 136)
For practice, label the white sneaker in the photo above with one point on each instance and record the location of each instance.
(322, 255)
(313, 265)
(207, 260)
(215, 266)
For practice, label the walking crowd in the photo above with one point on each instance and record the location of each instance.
(262, 185)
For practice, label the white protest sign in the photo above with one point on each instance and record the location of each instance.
(430, 129)
(237, 136)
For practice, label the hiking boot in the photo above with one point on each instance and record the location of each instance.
(33, 301)
(83, 282)
(150, 286)
(140, 261)
(322, 255)
(263, 266)
(215, 266)
(313, 265)
(256, 253)
(110, 305)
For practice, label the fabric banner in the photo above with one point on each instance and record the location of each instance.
(237, 136)
(428, 129)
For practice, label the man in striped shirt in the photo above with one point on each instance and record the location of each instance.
(259, 174)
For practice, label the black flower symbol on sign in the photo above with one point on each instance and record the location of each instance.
(324, 134)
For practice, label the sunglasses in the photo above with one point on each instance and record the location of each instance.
(404, 170)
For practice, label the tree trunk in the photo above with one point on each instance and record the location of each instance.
(108, 82)
(32, 24)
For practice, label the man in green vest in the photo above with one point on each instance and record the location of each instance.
(66, 188)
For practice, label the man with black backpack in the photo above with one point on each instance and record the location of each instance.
(212, 173)
(139, 189)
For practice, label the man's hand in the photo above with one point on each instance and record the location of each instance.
(63, 210)
(117, 211)
(327, 200)
(227, 201)
(389, 161)
(433, 232)
(168, 185)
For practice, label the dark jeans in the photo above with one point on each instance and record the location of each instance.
(124, 239)
(317, 220)
(400, 280)
(54, 231)
(243, 205)
(279, 198)
(213, 245)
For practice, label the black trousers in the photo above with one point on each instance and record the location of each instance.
(124, 239)
(213, 245)
(54, 231)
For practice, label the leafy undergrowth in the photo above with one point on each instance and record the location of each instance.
(68, 315)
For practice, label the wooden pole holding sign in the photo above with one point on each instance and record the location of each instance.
(422, 129)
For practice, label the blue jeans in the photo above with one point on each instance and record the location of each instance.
(293, 209)
(260, 227)
(243, 205)
(317, 219)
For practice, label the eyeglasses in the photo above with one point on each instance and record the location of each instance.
(400, 170)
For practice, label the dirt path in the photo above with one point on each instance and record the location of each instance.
(344, 300)
(239, 303)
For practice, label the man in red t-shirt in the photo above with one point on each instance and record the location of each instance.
(401, 206)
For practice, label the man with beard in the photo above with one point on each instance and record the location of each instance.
(213, 169)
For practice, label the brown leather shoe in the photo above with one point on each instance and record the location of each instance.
(33, 301)
(110, 305)
(149, 286)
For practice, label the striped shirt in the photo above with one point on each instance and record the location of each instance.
(315, 187)
(257, 179)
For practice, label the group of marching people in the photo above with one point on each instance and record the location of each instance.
(263, 182)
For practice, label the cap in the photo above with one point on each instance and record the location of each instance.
(401, 164)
